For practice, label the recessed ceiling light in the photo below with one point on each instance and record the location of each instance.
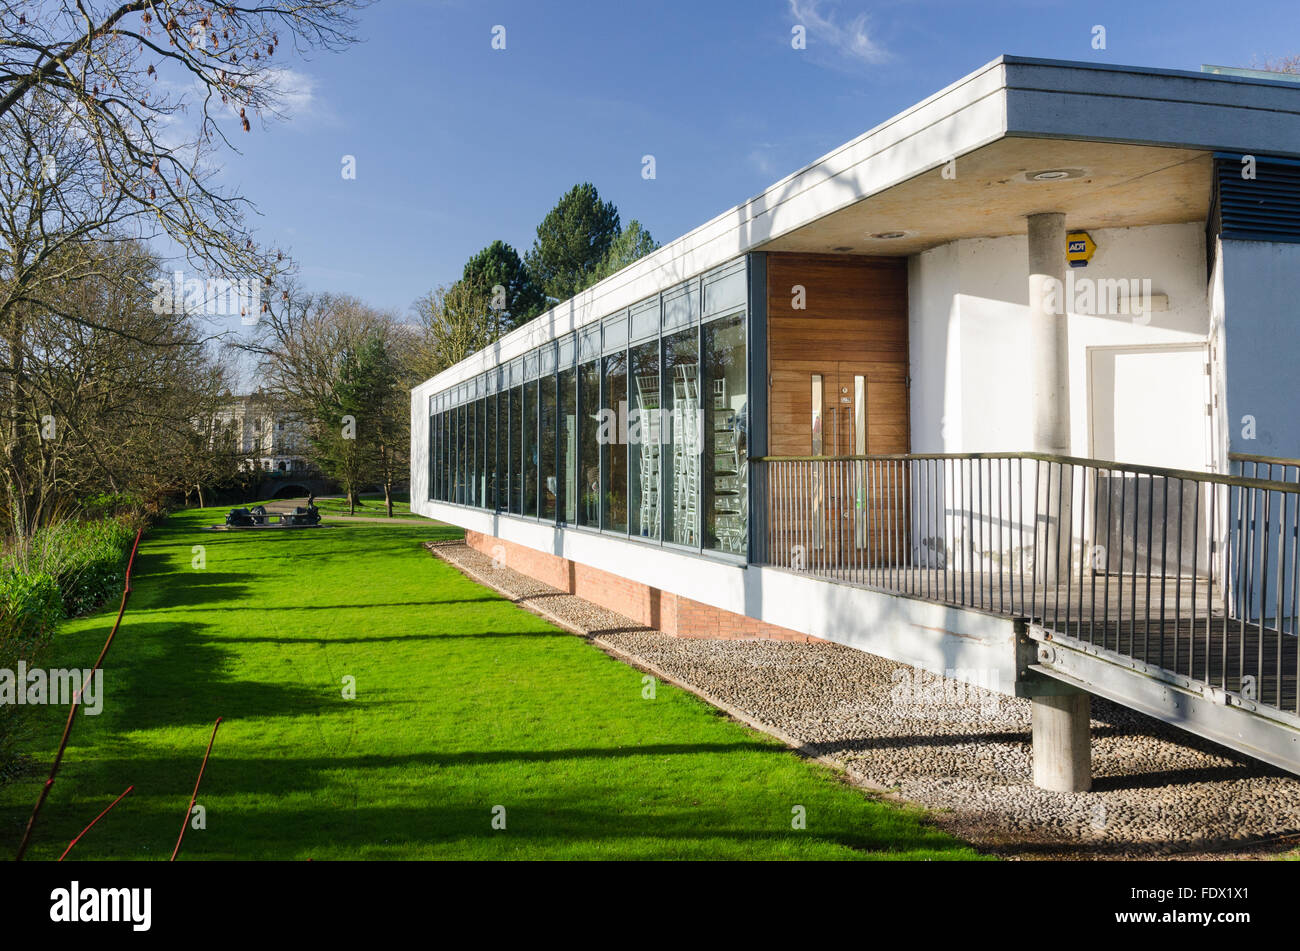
(842, 247)
(1054, 175)
(888, 235)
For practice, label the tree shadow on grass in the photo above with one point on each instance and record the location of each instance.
(255, 805)
(194, 590)
(561, 828)
(397, 638)
(174, 675)
(254, 605)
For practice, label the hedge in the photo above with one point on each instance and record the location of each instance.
(66, 570)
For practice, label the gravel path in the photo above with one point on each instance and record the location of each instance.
(961, 751)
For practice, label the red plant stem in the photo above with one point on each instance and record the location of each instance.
(76, 702)
(195, 795)
(93, 821)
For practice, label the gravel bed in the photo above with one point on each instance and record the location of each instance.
(961, 751)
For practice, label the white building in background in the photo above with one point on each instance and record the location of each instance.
(1005, 385)
(274, 442)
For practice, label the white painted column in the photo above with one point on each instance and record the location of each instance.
(1049, 370)
(1062, 740)
(1049, 376)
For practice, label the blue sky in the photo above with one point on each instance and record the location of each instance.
(457, 144)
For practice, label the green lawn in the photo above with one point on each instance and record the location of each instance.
(370, 505)
(463, 702)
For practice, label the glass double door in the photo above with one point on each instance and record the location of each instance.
(838, 511)
(840, 490)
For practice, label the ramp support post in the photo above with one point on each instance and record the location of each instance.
(1062, 741)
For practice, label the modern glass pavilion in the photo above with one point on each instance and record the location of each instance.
(847, 409)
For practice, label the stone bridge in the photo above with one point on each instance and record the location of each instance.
(290, 486)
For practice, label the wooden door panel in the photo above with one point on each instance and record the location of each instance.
(853, 322)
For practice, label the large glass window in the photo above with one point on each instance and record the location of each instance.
(450, 455)
(448, 452)
(528, 440)
(441, 459)
(476, 452)
(490, 452)
(467, 453)
(682, 436)
(476, 458)
(546, 459)
(643, 434)
(566, 494)
(467, 481)
(459, 492)
(433, 457)
(481, 454)
(612, 436)
(726, 430)
(588, 448)
(516, 466)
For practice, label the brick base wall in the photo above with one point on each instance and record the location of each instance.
(661, 610)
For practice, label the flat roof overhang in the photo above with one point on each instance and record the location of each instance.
(1142, 135)
(989, 193)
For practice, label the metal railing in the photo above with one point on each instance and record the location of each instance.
(1193, 572)
(1275, 468)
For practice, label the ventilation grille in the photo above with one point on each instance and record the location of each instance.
(1265, 208)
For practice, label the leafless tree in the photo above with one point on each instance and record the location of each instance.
(111, 116)
(326, 357)
(1283, 64)
(122, 399)
(452, 325)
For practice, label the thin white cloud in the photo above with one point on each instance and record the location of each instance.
(296, 92)
(761, 159)
(849, 41)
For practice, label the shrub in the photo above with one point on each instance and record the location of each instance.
(86, 559)
(67, 569)
(30, 607)
(104, 505)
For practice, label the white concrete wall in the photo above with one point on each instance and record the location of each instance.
(969, 331)
(420, 449)
(969, 353)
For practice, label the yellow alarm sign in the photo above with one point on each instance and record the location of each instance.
(1079, 248)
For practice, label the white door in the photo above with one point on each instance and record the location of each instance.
(1148, 406)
